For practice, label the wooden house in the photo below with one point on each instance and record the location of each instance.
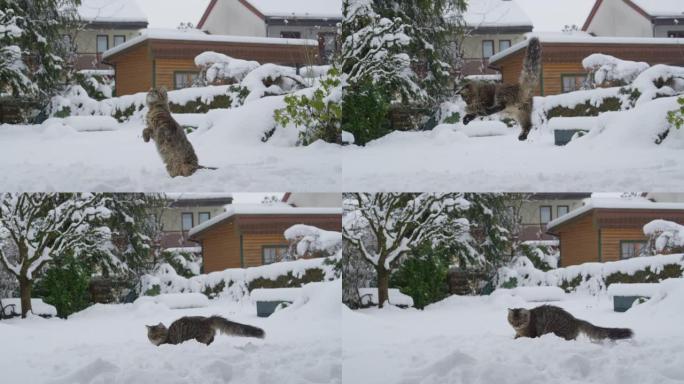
(250, 236)
(609, 230)
(167, 58)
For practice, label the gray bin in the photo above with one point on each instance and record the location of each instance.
(563, 137)
(266, 308)
(623, 303)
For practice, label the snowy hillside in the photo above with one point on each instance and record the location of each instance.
(468, 340)
(108, 344)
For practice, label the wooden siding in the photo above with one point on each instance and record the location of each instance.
(553, 72)
(165, 69)
(611, 237)
(579, 241)
(133, 71)
(252, 246)
(221, 248)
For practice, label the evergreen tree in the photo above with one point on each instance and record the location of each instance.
(34, 55)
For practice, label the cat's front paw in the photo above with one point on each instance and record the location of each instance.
(147, 135)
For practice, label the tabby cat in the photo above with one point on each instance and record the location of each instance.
(202, 329)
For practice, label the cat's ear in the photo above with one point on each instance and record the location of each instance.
(149, 326)
(160, 324)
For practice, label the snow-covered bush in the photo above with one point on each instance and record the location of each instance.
(592, 277)
(544, 255)
(664, 237)
(609, 70)
(676, 117)
(237, 283)
(308, 242)
(187, 262)
(318, 113)
(99, 84)
(219, 69)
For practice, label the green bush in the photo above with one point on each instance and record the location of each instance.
(676, 117)
(319, 115)
(423, 277)
(366, 112)
(454, 118)
(586, 109)
(65, 285)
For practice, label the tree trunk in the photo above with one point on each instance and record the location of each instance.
(25, 286)
(383, 286)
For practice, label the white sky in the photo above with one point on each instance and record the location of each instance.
(253, 198)
(547, 15)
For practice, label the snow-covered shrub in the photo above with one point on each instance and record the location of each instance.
(318, 113)
(592, 277)
(308, 242)
(609, 70)
(665, 237)
(187, 262)
(544, 255)
(237, 283)
(676, 117)
(219, 69)
(99, 84)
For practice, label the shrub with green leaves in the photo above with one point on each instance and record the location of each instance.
(423, 277)
(676, 117)
(65, 285)
(319, 115)
(366, 112)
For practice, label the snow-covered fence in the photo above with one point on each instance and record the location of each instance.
(593, 277)
(238, 283)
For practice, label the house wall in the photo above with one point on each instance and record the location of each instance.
(165, 69)
(662, 30)
(552, 83)
(171, 217)
(533, 229)
(252, 244)
(232, 17)
(474, 62)
(133, 71)
(86, 45)
(579, 241)
(221, 247)
(616, 18)
(611, 237)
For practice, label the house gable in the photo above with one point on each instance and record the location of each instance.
(618, 18)
(232, 17)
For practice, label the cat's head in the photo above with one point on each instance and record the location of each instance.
(157, 333)
(157, 96)
(467, 92)
(518, 317)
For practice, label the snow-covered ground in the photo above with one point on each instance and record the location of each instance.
(468, 340)
(61, 157)
(108, 344)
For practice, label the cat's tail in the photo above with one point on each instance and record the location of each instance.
(600, 333)
(228, 327)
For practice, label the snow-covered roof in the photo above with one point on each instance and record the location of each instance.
(197, 35)
(198, 196)
(584, 39)
(661, 8)
(614, 203)
(318, 9)
(262, 209)
(496, 13)
(111, 11)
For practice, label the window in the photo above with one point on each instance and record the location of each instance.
(102, 43)
(504, 44)
(487, 48)
(573, 82)
(187, 220)
(562, 210)
(675, 34)
(273, 253)
(183, 79)
(544, 214)
(291, 35)
(629, 249)
(204, 216)
(119, 39)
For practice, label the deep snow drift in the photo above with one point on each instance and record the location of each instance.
(468, 340)
(108, 344)
(60, 156)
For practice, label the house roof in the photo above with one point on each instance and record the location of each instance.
(111, 11)
(262, 210)
(585, 39)
(614, 204)
(301, 9)
(496, 13)
(199, 199)
(196, 35)
(647, 8)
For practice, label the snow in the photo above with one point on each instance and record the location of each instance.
(533, 294)
(468, 340)
(495, 13)
(609, 68)
(263, 209)
(636, 289)
(220, 66)
(300, 9)
(614, 203)
(176, 300)
(661, 8)
(199, 36)
(311, 239)
(667, 234)
(38, 306)
(276, 294)
(108, 344)
(90, 123)
(570, 123)
(370, 296)
(111, 11)
(35, 158)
